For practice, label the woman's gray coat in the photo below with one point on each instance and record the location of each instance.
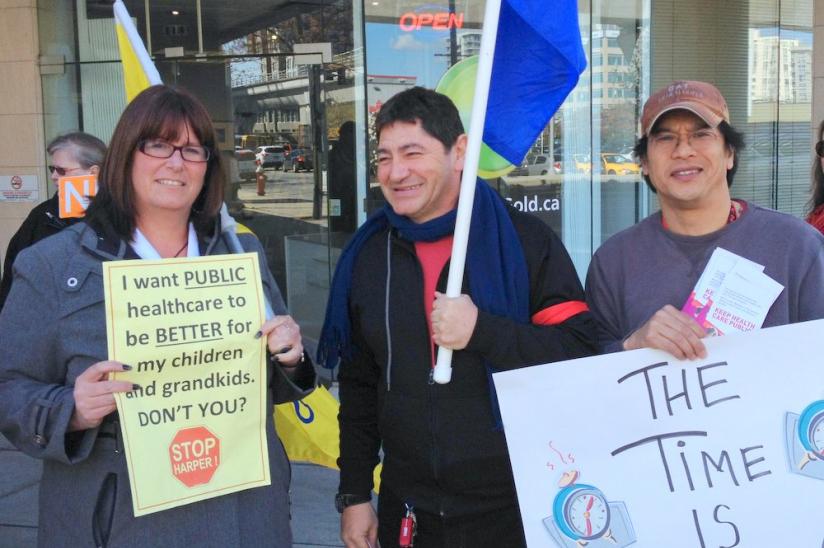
(52, 328)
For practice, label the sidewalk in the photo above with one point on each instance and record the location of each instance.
(315, 522)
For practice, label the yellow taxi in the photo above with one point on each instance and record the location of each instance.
(582, 162)
(618, 164)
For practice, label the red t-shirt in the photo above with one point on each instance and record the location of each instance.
(816, 218)
(433, 257)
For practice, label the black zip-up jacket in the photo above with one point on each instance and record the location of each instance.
(442, 452)
(43, 221)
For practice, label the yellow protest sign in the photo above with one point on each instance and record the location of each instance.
(196, 427)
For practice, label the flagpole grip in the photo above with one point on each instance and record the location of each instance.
(443, 367)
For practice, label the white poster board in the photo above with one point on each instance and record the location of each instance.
(732, 459)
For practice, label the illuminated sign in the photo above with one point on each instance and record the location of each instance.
(444, 20)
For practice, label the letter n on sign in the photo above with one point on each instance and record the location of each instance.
(194, 455)
(74, 194)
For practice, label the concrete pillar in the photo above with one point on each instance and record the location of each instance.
(21, 108)
(21, 153)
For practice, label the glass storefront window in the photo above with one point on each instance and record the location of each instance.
(413, 43)
(758, 53)
(579, 177)
(280, 84)
(619, 53)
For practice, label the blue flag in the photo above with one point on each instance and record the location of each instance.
(538, 59)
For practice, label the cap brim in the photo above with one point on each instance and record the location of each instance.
(710, 117)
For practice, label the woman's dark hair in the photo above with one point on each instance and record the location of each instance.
(817, 197)
(437, 113)
(157, 112)
(733, 139)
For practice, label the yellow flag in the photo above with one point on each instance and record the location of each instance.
(309, 430)
(139, 71)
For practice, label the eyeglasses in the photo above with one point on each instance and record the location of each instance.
(62, 171)
(699, 138)
(819, 149)
(161, 149)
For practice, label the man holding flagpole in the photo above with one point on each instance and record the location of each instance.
(446, 464)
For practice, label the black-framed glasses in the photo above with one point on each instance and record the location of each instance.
(161, 149)
(62, 171)
(819, 149)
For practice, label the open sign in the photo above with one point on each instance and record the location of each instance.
(444, 20)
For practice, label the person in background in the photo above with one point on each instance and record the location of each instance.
(71, 154)
(816, 216)
(445, 455)
(162, 186)
(342, 182)
(640, 278)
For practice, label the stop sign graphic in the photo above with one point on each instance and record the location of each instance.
(195, 455)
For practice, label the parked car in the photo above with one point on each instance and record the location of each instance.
(536, 164)
(539, 165)
(582, 162)
(300, 158)
(520, 170)
(246, 163)
(270, 156)
(618, 164)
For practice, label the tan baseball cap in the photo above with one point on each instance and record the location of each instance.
(700, 98)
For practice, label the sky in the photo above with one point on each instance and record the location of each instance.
(394, 52)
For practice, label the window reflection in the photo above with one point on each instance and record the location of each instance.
(758, 52)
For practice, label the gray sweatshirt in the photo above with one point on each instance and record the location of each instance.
(643, 268)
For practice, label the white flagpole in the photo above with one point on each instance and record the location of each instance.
(443, 367)
(122, 16)
(228, 227)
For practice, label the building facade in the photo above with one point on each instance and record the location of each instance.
(298, 75)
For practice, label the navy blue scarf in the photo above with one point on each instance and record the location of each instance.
(495, 265)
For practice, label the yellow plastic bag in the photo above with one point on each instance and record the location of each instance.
(309, 430)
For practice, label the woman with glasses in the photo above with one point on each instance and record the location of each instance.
(69, 155)
(162, 185)
(816, 216)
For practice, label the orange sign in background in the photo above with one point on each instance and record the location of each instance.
(75, 193)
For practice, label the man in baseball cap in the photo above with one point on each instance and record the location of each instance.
(641, 278)
(702, 99)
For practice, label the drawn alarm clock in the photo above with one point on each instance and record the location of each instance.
(581, 511)
(811, 432)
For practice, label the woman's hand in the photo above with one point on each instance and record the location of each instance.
(94, 394)
(284, 340)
